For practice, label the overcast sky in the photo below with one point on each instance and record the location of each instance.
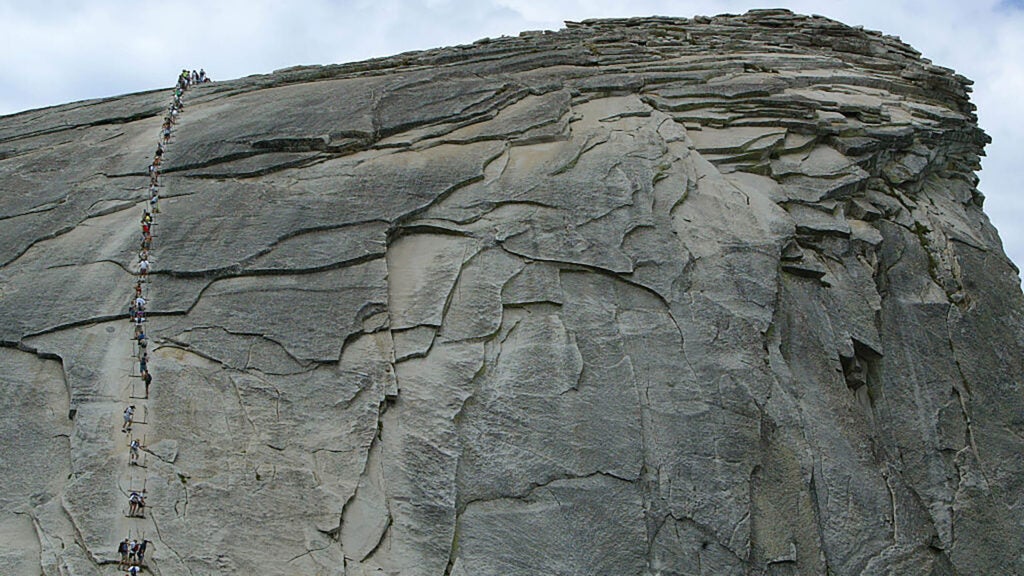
(61, 51)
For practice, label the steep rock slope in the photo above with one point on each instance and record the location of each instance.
(649, 296)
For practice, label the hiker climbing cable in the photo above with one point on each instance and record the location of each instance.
(136, 503)
(122, 550)
(129, 416)
(147, 379)
(140, 556)
(133, 452)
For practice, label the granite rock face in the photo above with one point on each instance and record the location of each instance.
(709, 296)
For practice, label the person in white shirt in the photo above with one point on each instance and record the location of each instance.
(129, 415)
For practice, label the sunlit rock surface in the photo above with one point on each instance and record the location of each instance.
(709, 296)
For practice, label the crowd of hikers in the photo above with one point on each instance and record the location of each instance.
(132, 551)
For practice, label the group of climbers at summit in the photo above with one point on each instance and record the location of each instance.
(186, 78)
(132, 551)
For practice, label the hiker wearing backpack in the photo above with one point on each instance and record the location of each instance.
(129, 416)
